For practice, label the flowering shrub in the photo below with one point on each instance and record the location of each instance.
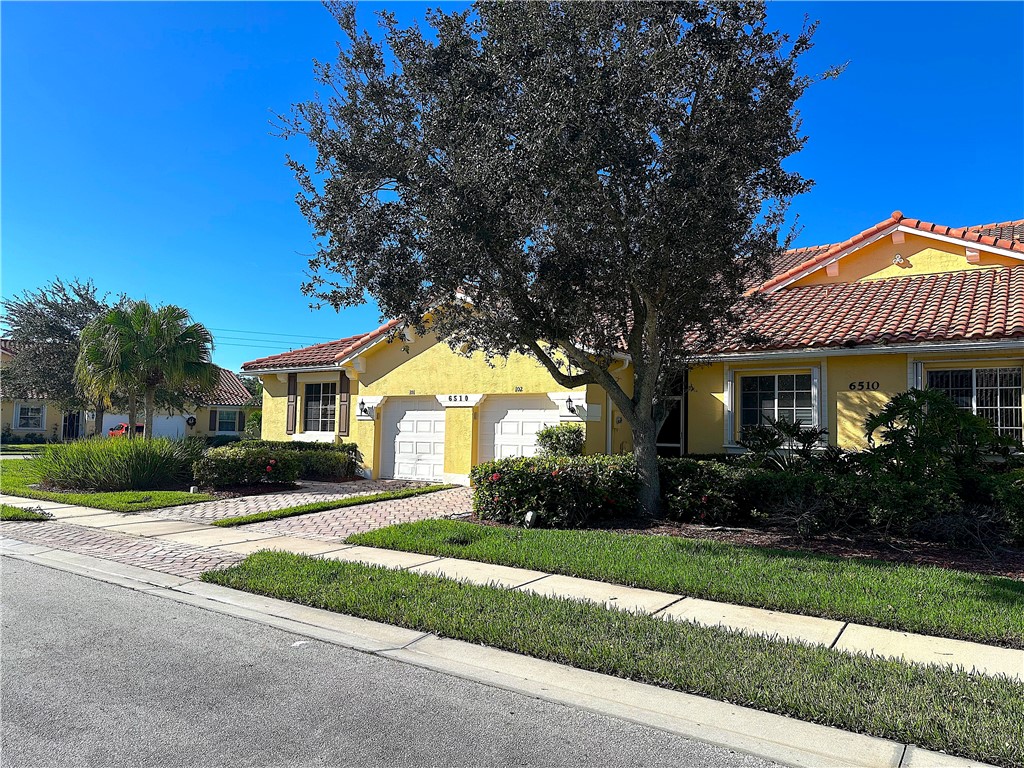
(242, 465)
(565, 492)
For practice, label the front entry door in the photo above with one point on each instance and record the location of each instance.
(72, 425)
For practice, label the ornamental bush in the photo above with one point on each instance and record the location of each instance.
(564, 492)
(326, 465)
(561, 440)
(246, 465)
(104, 464)
(703, 491)
(1007, 491)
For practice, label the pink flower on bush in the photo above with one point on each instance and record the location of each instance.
(497, 498)
(554, 473)
(495, 477)
(273, 461)
(703, 499)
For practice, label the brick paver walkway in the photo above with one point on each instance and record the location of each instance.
(342, 523)
(155, 554)
(310, 492)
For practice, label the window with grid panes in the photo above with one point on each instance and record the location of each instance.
(781, 396)
(321, 401)
(993, 393)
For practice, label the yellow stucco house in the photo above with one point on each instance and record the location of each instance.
(902, 304)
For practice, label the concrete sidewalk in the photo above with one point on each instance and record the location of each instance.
(775, 737)
(230, 544)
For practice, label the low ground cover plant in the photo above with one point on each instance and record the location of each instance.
(17, 514)
(561, 491)
(909, 598)
(102, 464)
(940, 709)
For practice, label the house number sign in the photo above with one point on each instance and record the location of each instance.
(861, 386)
(458, 398)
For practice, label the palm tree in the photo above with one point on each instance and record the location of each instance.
(136, 349)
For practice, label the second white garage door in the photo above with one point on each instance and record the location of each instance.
(412, 441)
(509, 425)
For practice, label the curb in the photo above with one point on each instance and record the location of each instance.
(763, 734)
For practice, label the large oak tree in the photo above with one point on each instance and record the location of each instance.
(580, 182)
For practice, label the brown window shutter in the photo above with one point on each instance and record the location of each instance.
(213, 420)
(241, 420)
(343, 404)
(293, 385)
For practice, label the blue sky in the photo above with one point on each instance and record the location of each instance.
(137, 148)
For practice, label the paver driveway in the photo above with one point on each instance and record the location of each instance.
(341, 523)
(308, 492)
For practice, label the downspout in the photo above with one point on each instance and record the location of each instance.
(686, 413)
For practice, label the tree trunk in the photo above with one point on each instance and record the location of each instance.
(645, 450)
(150, 409)
(133, 416)
(97, 429)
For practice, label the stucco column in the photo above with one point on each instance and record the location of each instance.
(460, 438)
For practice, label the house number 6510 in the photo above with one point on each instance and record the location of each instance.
(864, 385)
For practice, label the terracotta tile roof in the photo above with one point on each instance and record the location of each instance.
(951, 306)
(986, 234)
(230, 390)
(1004, 230)
(320, 355)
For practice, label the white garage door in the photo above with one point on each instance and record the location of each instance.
(163, 426)
(412, 444)
(509, 425)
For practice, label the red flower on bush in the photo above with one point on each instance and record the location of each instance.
(554, 473)
(270, 468)
(703, 500)
(495, 477)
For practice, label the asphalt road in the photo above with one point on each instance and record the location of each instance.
(97, 675)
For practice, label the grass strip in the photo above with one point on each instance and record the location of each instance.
(17, 476)
(323, 506)
(974, 716)
(12, 514)
(22, 447)
(909, 598)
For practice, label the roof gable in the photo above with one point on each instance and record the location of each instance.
(897, 227)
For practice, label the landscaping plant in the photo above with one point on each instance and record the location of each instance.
(103, 464)
(243, 464)
(561, 440)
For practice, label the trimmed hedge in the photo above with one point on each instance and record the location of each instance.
(317, 461)
(561, 440)
(245, 465)
(564, 491)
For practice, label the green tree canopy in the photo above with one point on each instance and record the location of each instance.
(149, 353)
(579, 182)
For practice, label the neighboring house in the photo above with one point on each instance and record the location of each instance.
(222, 413)
(903, 304)
(36, 416)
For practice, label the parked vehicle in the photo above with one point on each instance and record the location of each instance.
(121, 430)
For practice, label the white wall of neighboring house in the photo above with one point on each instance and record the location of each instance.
(163, 426)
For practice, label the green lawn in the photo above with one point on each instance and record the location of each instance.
(969, 715)
(17, 475)
(323, 506)
(12, 514)
(22, 448)
(932, 601)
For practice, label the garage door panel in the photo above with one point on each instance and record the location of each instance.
(412, 440)
(509, 425)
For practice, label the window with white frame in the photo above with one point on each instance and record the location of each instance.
(321, 400)
(786, 396)
(227, 421)
(993, 393)
(30, 417)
